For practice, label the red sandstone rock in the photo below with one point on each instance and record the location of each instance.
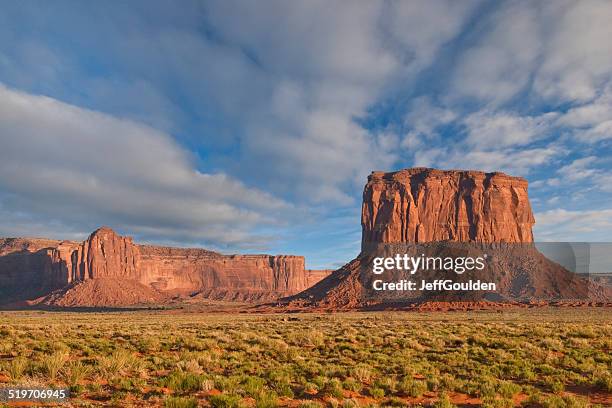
(105, 254)
(423, 205)
(32, 268)
(465, 213)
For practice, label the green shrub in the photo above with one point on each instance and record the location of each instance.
(180, 402)
(310, 404)
(16, 368)
(572, 401)
(508, 389)
(604, 383)
(376, 392)
(267, 399)
(352, 385)
(253, 386)
(444, 402)
(412, 388)
(497, 403)
(76, 372)
(333, 388)
(53, 363)
(182, 382)
(284, 390)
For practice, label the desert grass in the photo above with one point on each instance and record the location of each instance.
(557, 358)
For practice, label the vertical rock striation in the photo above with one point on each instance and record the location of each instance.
(32, 268)
(423, 205)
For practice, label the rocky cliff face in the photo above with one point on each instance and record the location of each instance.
(32, 268)
(453, 214)
(424, 205)
(105, 254)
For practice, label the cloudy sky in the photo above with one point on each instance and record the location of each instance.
(252, 126)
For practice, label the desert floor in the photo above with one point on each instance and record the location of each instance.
(542, 358)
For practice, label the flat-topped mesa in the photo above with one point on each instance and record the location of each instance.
(30, 268)
(424, 205)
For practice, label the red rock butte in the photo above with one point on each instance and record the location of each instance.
(35, 267)
(429, 211)
(424, 205)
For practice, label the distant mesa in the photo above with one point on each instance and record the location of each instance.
(109, 270)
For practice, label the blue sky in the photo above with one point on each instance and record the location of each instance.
(252, 126)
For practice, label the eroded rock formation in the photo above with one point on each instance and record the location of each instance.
(423, 212)
(424, 205)
(32, 268)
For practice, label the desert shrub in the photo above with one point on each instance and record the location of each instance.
(189, 366)
(444, 402)
(16, 368)
(604, 383)
(310, 404)
(497, 403)
(229, 384)
(433, 384)
(487, 387)
(350, 403)
(554, 384)
(320, 381)
(351, 384)
(572, 401)
(394, 402)
(412, 388)
(180, 402)
(362, 373)
(225, 401)
(553, 401)
(208, 384)
(376, 392)
(508, 389)
(266, 399)
(284, 389)
(389, 384)
(253, 386)
(53, 363)
(116, 364)
(181, 382)
(76, 372)
(333, 388)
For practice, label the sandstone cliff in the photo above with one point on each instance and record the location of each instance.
(424, 205)
(425, 212)
(31, 268)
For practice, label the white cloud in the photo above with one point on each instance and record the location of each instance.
(577, 225)
(423, 119)
(591, 121)
(577, 59)
(499, 64)
(500, 129)
(83, 168)
(324, 70)
(561, 49)
(579, 169)
(582, 170)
